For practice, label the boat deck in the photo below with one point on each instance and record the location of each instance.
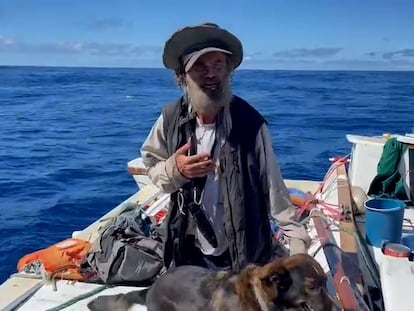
(20, 285)
(48, 296)
(44, 296)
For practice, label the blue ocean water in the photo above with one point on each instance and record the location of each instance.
(66, 135)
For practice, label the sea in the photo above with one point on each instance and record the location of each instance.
(67, 134)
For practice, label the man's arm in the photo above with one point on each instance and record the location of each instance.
(277, 196)
(162, 169)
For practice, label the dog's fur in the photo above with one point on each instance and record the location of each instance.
(293, 283)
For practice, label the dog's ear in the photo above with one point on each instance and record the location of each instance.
(280, 279)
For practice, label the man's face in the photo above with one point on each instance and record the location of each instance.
(208, 83)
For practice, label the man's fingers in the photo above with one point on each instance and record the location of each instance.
(197, 165)
(199, 158)
(200, 164)
(199, 169)
(184, 149)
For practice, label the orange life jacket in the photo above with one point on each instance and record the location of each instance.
(61, 260)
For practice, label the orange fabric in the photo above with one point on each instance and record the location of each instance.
(61, 260)
(298, 201)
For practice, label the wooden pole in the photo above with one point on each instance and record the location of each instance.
(348, 242)
(334, 258)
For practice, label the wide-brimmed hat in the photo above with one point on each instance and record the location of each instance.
(196, 38)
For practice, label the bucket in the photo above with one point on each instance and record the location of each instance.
(384, 221)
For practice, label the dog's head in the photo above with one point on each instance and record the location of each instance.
(297, 282)
(259, 287)
(308, 289)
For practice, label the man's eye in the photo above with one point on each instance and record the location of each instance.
(199, 67)
(219, 65)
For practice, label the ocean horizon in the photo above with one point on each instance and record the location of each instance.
(239, 69)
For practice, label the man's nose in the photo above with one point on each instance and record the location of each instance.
(210, 72)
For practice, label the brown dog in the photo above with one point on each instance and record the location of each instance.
(293, 283)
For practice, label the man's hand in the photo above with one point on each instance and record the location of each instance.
(198, 165)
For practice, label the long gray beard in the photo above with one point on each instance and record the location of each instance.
(209, 101)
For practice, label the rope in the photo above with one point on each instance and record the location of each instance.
(351, 232)
(356, 236)
(79, 298)
(361, 302)
(336, 215)
(335, 212)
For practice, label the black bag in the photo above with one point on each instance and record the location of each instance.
(126, 254)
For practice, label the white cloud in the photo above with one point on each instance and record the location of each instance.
(8, 45)
(399, 53)
(5, 42)
(306, 52)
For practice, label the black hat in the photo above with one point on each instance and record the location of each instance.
(198, 40)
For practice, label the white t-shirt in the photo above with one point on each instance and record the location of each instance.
(212, 204)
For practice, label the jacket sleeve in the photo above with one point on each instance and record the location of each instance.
(277, 196)
(161, 168)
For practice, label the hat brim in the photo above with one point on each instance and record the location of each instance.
(189, 60)
(191, 39)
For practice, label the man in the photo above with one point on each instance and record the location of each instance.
(213, 152)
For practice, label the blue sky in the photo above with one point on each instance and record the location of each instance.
(276, 34)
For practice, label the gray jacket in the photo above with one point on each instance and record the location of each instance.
(250, 180)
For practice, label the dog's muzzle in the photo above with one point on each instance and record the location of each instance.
(305, 306)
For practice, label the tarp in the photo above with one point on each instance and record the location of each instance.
(388, 182)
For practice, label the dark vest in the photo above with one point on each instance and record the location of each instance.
(245, 211)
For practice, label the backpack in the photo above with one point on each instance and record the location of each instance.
(128, 252)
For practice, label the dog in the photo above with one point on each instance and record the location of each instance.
(293, 283)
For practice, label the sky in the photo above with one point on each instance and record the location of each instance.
(276, 34)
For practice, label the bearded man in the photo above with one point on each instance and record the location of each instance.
(213, 153)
